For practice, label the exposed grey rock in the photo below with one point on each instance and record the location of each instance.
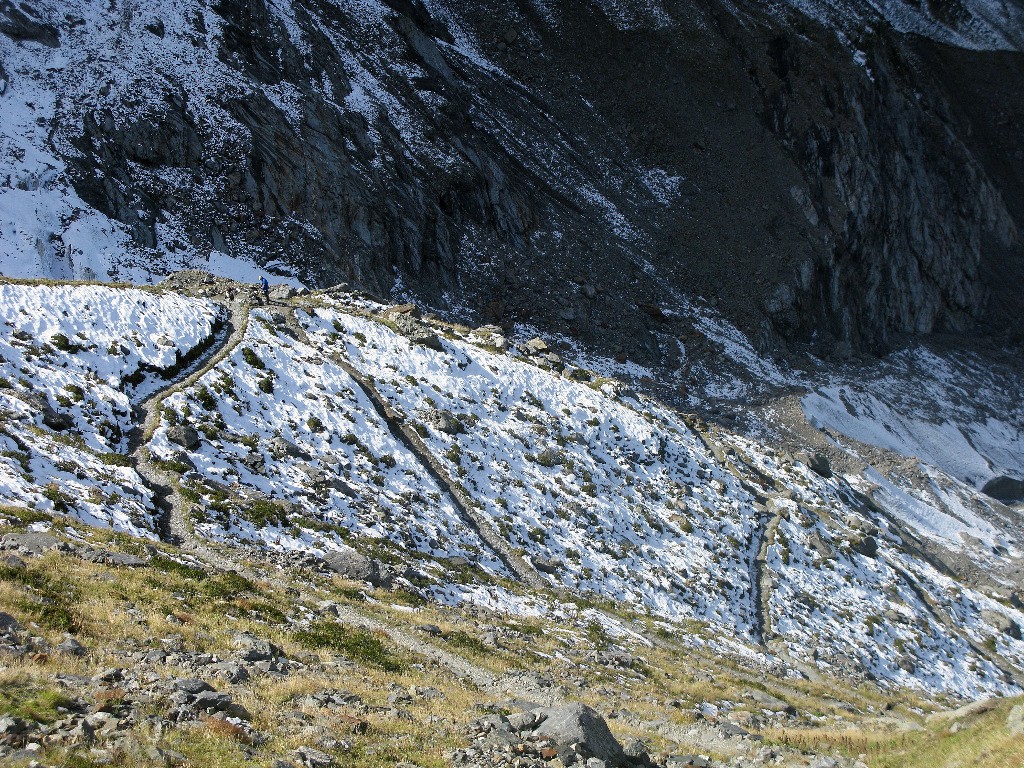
(211, 701)
(1004, 488)
(546, 564)
(867, 546)
(1002, 623)
(687, 761)
(281, 292)
(279, 448)
(417, 332)
(444, 421)
(535, 346)
(767, 701)
(33, 543)
(57, 421)
(23, 24)
(192, 686)
(350, 564)
(817, 462)
(184, 435)
(12, 725)
(579, 724)
(8, 623)
(71, 647)
(313, 758)
(252, 648)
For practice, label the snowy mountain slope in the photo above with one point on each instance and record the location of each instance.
(974, 24)
(606, 492)
(973, 425)
(73, 362)
(284, 425)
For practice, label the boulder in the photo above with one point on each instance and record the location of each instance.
(313, 758)
(8, 623)
(279, 448)
(535, 346)
(546, 564)
(281, 292)
(191, 685)
(252, 648)
(58, 422)
(769, 702)
(184, 435)
(71, 647)
(33, 543)
(350, 564)
(1004, 488)
(1002, 622)
(403, 309)
(416, 332)
(867, 546)
(816, 462)
(445, 421)
(578, 724)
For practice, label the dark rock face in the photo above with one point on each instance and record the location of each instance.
(580, 169)
(1004, 488)
(23, 24)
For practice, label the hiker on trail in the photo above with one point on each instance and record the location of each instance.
(265, 287)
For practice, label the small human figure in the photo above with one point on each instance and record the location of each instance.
(265, 287)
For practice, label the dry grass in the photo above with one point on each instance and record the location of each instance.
(672, 678)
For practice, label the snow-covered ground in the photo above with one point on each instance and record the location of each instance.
(961, 416)
(106, 60)
(283, 423)
(84, 355)
(607, 493)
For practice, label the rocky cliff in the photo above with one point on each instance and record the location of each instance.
(834, 174)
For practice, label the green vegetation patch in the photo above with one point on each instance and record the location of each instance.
(358, 644)
(21, 697)
(51, 599)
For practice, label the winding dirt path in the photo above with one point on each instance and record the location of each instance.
(413, 443)
(178, 529)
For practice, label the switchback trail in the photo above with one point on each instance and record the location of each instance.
(178, 527)
(415, 445)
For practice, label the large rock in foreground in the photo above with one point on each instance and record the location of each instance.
(573, 724)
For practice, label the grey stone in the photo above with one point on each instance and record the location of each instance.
(579, 724)
(71, 647)
(281, 292)
(867, 546)
(279, 448)
(546, 564)
(8, 623)
(10, 726)
(33, 543)
(313, 758)
(1002, 623)
(192, 686)
(252, 648)
(184, 435)
(232, 672)
(769, 702)
(211, 701)
(353, 565)
(687, 761)
(817, 462)
(445, 421)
